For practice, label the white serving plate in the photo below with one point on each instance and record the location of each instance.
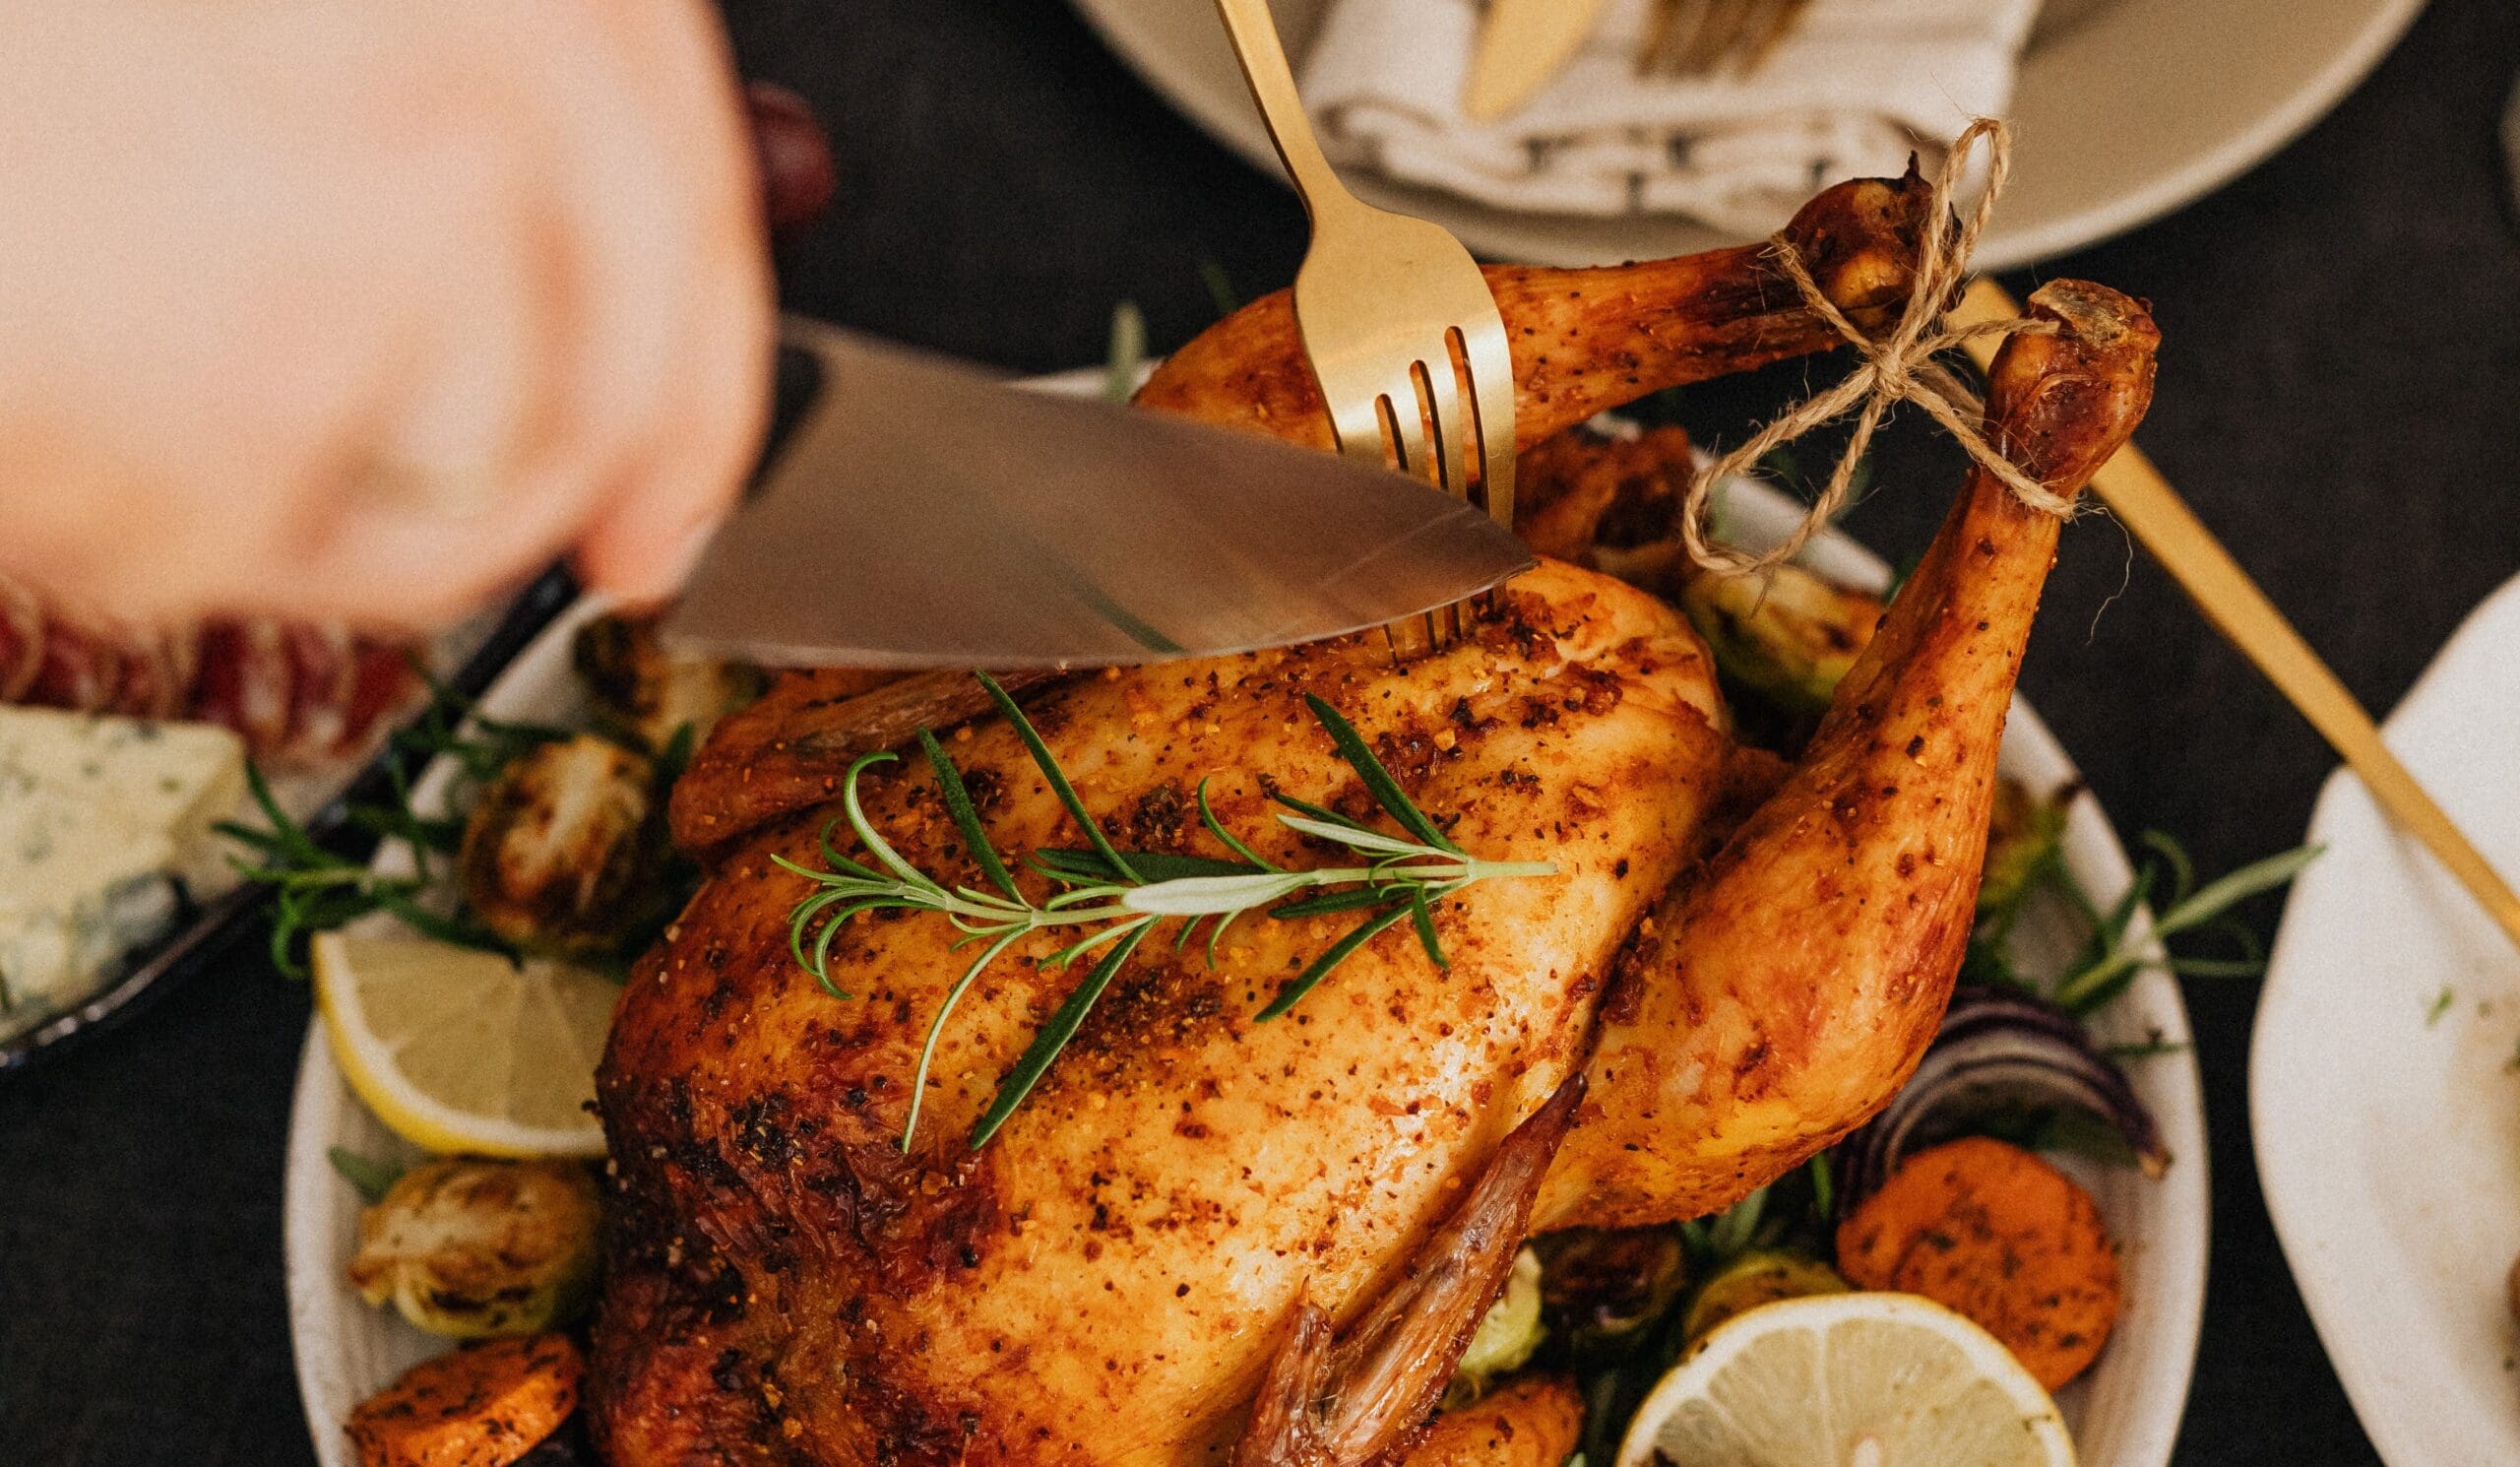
(2125, 1413)
(2121, 114)
(2388, 1138)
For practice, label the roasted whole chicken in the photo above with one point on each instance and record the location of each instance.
(1204, 1237)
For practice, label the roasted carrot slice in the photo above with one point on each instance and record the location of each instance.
(482, 1406)
(1993, 1233)
(1530, 1421)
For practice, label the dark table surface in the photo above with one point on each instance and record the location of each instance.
(2340, 396)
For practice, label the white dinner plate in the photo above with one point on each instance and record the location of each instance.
(2125, 1413)
(2124, 110)
(2387, 1115)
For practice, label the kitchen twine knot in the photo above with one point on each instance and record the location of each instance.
(1897, 366)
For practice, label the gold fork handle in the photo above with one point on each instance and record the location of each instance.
(2135, 492)
(1273, 86)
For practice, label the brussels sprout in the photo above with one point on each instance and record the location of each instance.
(1507, 1336)
(1787, 636)
(1605, 1287)
(470, 1248)
(1760, 1276)
(565, 851)
(655, 693)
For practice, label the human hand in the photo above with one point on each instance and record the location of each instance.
(367, 311)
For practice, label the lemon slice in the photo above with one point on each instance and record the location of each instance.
(462, 1050)
(1848, 1380)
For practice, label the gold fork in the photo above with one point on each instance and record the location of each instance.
(1692, 37)
(1398, 321)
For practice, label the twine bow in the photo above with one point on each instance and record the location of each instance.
(1897, 367)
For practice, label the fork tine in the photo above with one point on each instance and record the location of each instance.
(1724, 31)
(1405, 419)
(1758, 19)
(1679, 35)
(1781, 18)
(1680, 42)
(1658, 35)
(1485, 368)
(1439, 378)
(1445, 380)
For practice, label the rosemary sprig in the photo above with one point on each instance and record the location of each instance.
(2115, 954)
(314, 889)
(1121, 897)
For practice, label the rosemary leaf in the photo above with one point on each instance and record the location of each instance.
(1056, 776)
(937, 1026)
(967, 820)
(1216, 827)
(1340, 951)
(1054, 1034)
(1072, 866)
(2182, 867)
(1322, 813)
(1353, 837)
(2215, 967)
(2257, 876)
(1220, 291)
(1333, 901)
(867, 835)
(1149, 866)
(841, 866)
(1385, 790)
(1421, 915)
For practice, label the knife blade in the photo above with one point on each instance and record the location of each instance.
(916, 514)
(1521, 45)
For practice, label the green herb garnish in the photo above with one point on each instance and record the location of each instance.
(368, 1176)
(1122, 896)
(315, 889)
(1125, 358)
(2114, 954)
(1220, 291)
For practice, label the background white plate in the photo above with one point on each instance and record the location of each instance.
(2388, 1138)
(2125, 1413)
(2126, 111)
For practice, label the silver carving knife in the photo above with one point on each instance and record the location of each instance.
(915, 513)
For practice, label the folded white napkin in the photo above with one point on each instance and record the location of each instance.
(1851, 90)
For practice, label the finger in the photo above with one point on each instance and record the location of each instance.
(661, 511)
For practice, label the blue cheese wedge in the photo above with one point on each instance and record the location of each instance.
(100, 818)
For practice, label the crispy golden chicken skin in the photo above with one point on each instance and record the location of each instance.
(1106, 1279)
(1190, 1194)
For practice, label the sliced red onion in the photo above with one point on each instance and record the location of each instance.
(1998, 1050)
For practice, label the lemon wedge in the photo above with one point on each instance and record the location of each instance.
(1848, 1380)
(462, 1050)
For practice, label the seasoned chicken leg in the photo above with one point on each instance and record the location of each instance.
(1588, 339)
(1783, 995)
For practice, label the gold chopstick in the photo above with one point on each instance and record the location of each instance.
(2155, 514)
